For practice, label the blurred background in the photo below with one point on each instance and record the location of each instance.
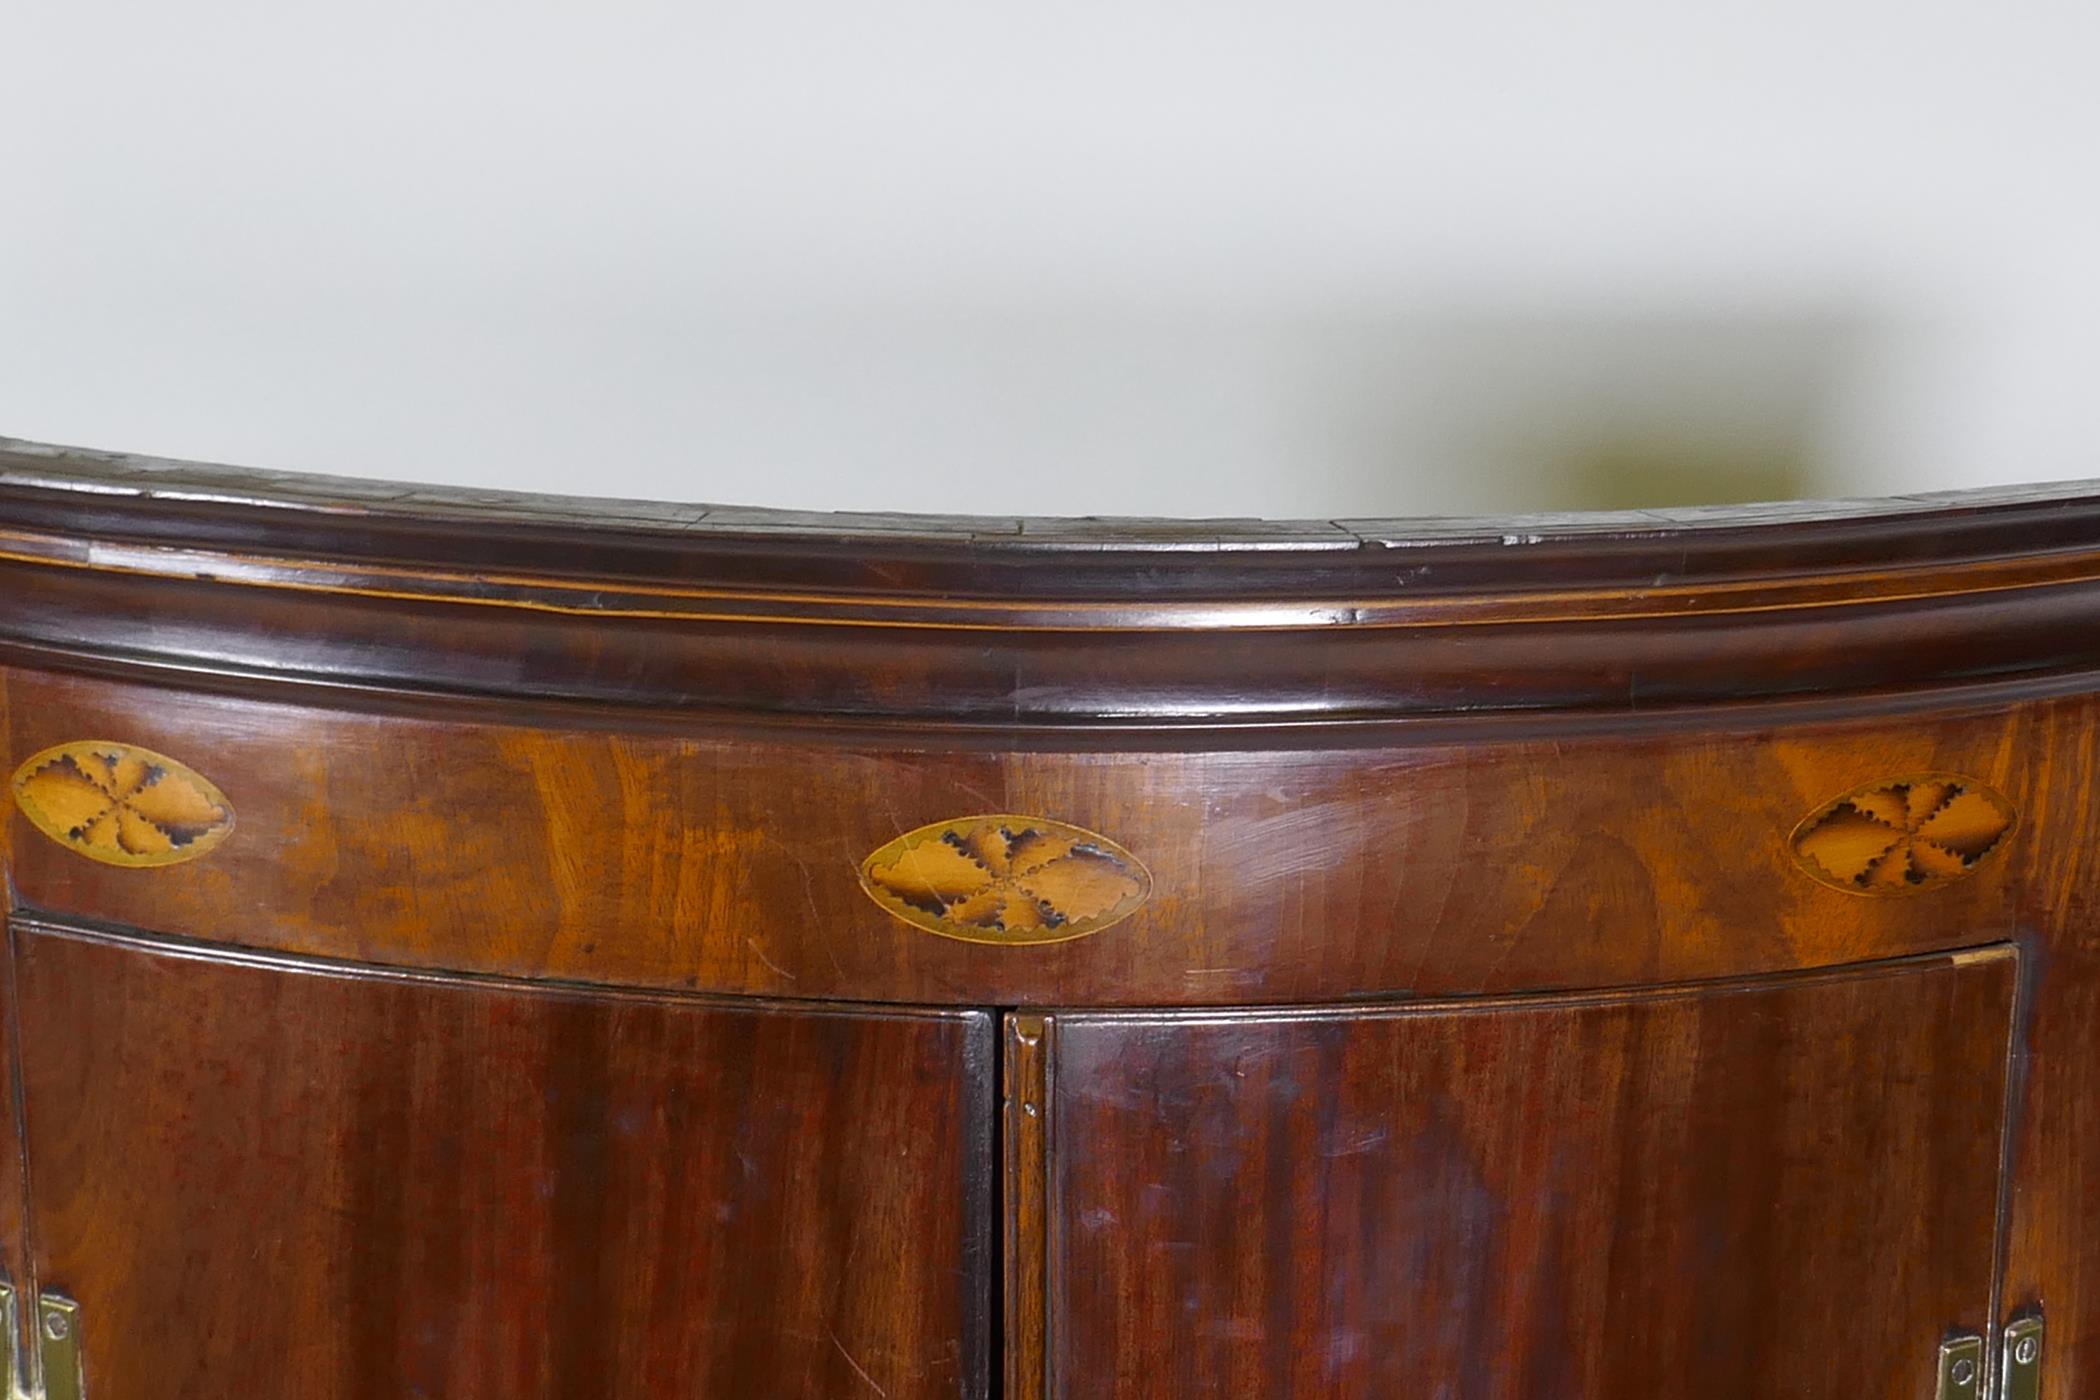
(1317, 259)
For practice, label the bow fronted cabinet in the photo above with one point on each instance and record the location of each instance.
(465, 945)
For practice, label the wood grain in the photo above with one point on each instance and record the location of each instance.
(649, 746)
(14, 1200)
(729, 862)
(301, 1181)
(2054, 1194)
(1024, 1205)
(1768, 1191)
(177, 568)
(14, 1247)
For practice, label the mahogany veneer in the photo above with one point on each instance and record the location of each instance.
(470, 945)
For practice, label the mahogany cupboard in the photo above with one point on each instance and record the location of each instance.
(476, 946)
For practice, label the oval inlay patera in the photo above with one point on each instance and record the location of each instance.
(121, 804)
(1006, 879)
(1904, 835)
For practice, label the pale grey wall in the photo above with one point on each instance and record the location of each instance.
(1307, 258)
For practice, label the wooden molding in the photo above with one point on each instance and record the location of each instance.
(220, 575)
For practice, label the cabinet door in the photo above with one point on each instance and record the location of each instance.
(261, 1178)
(1782, 1189)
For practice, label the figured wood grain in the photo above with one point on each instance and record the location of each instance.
(730, 862)
(650, 746)
(313, 1182)
(1752, 1192)
(2053, 1253)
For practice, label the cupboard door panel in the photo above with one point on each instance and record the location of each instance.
(279, 1180)
(1780, 1189)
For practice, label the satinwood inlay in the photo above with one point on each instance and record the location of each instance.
(122, 805)
(1903, 835)
(1006, 879)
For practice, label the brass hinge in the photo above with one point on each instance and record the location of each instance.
(2020, 1366)
(1961, 1368)
(1963, 1375)
(57, 1374)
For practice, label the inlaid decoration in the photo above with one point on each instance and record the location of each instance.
(122, 805)
(1006, 879)
(1904, 835)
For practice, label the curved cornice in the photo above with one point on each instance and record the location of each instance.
(138, 562)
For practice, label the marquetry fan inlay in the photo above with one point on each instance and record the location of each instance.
(1006, 879)
(122, 805)
(1904, 835)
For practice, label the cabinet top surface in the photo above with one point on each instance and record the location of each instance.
(356, 513)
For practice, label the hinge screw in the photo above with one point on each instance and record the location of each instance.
(1964, 1371)
(2025, 1350)
(56, 1326)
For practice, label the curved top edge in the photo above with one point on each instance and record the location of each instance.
(181, 503)
(49, 466)
(108, 560)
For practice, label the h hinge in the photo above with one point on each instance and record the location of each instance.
(57, 1372)
(1964, 1376)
